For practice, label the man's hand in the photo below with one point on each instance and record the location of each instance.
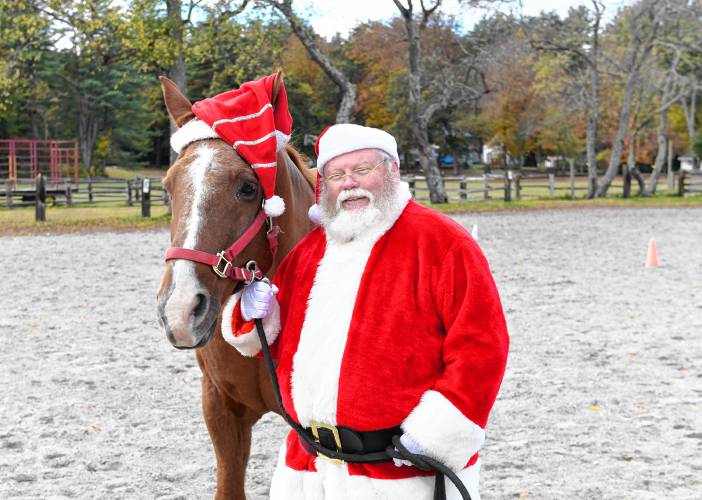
(412, 446)
(256, 300)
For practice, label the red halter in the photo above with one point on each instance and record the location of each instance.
(222, 262)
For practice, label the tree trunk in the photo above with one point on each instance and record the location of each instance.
(420, 124)
(594, 111)
(430, 168)
(631, 169)
(690, 112)
(177, 72)
(87, 133)
(347, 106)
(661, 154)
(618, 145)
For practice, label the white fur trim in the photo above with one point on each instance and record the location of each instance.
(317, 362)
(248, 344)
(333, 482)
(264, 165)
(314, 215)
(192, 131)
(253, 142)
(346, 137)
(274, 206)
(281, 139)
(442, 431)
(243, 117)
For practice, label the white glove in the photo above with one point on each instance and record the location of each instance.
(412, 446)
(256, 299)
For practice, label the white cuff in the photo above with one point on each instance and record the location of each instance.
(248, 344)
(443, 432)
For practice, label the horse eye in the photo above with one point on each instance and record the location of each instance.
(246, 191)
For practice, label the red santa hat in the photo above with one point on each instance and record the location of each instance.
(246, 119)
(346, 137)
(342, 138)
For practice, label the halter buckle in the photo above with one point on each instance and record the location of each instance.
(222, 273)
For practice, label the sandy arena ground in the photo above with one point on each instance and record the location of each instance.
(602, 397)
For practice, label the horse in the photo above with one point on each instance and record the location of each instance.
(215, 196)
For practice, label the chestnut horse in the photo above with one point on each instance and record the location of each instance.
(215, 196)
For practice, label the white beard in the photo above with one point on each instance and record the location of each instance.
(345, 225)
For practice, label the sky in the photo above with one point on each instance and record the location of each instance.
(329, 17)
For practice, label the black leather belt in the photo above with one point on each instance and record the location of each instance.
(342, 438)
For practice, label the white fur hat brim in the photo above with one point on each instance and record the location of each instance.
(347, 137)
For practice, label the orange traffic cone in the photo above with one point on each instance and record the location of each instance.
(652, 255)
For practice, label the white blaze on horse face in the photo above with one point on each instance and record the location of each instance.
(185, 284)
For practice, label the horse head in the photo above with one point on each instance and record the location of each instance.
(216, 196)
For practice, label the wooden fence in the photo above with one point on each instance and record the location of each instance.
(689, 182)
(141, 192)
(508, 186)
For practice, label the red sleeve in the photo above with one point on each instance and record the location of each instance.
(476, 345)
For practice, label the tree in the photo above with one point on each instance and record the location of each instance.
(578, 36)
(311, 42)
(158, 36)
(637, 29)
(25, 37)
(451, 82)
(94, 79)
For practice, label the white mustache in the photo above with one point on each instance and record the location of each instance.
(353, 193)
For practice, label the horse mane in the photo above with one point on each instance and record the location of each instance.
(300, 162)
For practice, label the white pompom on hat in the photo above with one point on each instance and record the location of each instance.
(347, 137)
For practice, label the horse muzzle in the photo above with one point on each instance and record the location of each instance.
(188, 316)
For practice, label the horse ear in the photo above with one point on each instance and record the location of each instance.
(277, 85)
(178, 106)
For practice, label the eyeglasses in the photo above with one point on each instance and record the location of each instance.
(361, 170)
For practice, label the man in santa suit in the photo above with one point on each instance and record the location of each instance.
(384, 320)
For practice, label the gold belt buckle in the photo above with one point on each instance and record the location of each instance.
(223, 272)
(337, 439)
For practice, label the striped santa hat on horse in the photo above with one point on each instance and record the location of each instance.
(246, 120)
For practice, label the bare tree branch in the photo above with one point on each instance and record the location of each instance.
(308, 39)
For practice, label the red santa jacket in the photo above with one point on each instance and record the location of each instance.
(404, 327)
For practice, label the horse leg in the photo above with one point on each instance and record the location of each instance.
(229, 424)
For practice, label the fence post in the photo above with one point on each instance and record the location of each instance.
(69, 195)
(138, 185)
(146, 197)
(8, 193)
(671, 175)
(90, 189)
(411, 182)
(572, 178)
(130, 202)
(486, 186)
(551, 185)
(463, 187)
(40, 198)
(681, 183)
(508, 185)
(627, 182)
(518, 186)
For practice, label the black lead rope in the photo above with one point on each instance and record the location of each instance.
(396, 450)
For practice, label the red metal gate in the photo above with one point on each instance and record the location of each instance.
(25, 158)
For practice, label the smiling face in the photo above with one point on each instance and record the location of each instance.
(342, 191)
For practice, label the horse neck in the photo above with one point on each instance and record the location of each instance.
(292, 186)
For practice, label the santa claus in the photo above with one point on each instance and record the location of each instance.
(385, 320)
